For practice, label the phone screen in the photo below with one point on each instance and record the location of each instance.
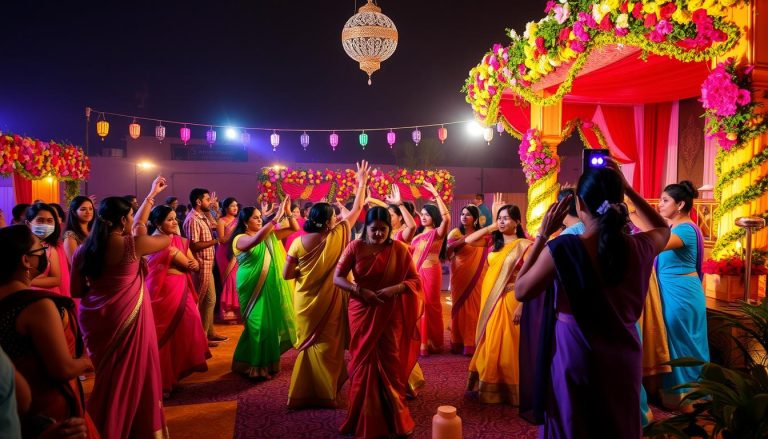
(594, 158)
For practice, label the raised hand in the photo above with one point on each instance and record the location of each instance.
(615, 166)
(280, 210)
(158, 185)
(553, 219)
(431, 189)
(393, 197)
(363, 170)
(498, 202)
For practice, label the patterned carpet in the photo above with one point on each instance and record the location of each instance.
(203, 406)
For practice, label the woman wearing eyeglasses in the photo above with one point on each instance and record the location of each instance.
(39, 333)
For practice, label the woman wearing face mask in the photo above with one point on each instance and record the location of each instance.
(320, 306)
(494, 369)
(266, 299)
(467, 271)
(39, 333)
(229, 306)
(382, 320)
(117, 321)
(182, 344)
(41, 219)
(79, 223)
(429, 251)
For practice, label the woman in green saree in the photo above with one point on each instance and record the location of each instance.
(266, 299)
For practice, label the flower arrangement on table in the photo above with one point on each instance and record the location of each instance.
(687, 30)
(327, 184)
(734, 266)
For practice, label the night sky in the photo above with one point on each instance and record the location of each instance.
(250, 63)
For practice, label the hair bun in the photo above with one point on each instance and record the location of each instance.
(688, 185)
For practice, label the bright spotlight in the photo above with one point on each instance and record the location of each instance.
(145, 165)
(474, 129)
(230, 133)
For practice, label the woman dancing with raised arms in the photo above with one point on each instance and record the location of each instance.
(117, 320)
(381, 319)
(601, 279)
(321, 307)
(428, 251)
(266, 299)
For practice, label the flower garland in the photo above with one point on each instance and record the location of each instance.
(35, 159)
(537, 157)
(341, 185)
(687, 30)
(580, 125)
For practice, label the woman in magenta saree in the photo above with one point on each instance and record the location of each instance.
(382, 319)
(182, 344)
(117, 320)
(229, 304)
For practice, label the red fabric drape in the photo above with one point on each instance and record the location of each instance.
(22, 189)
(516, 111)
(655, 138)
(620, 122)
(631, 81)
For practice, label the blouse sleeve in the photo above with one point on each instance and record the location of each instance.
(293, 250)
(454, 235)
(686, 234)
(347, 260)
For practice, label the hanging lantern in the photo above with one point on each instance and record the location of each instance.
(416, 136)
(274, 139)
(363, 139)
(488, 134)
(102, 127)
(369, 37)
(500, 127)
(304, 139)
(134, 130)
(185, 134)
(334, 139)
(245, 138)
(210, 136)
(391, 138)
(442, 134)
(160, 132)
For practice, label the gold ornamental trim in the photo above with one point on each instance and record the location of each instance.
(369, 32)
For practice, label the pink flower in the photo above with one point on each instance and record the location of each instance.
(580, 31)
(562, 12)
(743, 98)
(550, 5)
(540, 45)
(621, 31)
(565, 33)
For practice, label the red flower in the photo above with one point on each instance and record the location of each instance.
(565, 33)
(605, 23)
(637, 11)
(624, 7)
(650, 20)
(667, 10)
(540, 45)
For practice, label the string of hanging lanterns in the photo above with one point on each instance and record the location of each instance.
(185, 133)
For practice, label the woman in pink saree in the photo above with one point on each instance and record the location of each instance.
(428, 249)
(182, 343)
(117, 320)
(229, 305)
(382, 318)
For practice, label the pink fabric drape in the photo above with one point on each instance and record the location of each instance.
(655, 137)
(670, 175)
(22, 189)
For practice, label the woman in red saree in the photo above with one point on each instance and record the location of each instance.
(468, 267)
(40, 335)
(117, 320)
(382, 319)
(182, 343)
(428, 249)
(229, 305)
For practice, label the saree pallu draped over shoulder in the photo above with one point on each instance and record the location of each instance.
(468, 267)
(322, 330)
(182, 343)
(494, 369)
(383, 347)
(426, 254)
(119, 331)
(266, 304)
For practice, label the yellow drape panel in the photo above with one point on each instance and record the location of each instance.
(46, 189)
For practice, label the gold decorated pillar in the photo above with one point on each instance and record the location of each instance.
(543, 192)
(742, 173)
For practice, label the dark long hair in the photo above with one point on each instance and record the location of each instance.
(73, 221)
(437, 219)
(157, 216)
(684, 191)
(53, 238)
(377, 213)
(514, 213)
(242, 225)
(16, 241)
(597, 186)
(475, 212)
(111, 211)
(59, 212)
(225, 205)
(318, 216)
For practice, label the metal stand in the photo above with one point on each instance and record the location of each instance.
(750, 224)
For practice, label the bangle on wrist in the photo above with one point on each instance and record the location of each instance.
(274, 222)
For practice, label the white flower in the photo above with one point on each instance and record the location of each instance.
(513, 34)
(622, 21)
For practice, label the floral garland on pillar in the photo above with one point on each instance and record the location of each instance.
(35, 159)
(540, 166)
(741, 164)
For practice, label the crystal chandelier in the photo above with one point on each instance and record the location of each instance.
(369, 37)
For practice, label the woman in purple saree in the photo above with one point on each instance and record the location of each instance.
(600, 280)
(117, 320)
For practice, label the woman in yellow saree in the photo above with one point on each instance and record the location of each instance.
(322, 330)
(494, 369)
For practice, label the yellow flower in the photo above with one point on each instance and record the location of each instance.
(681, 16)
(530, 30)
(694, 5)
(651, 8)
(728, 3)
